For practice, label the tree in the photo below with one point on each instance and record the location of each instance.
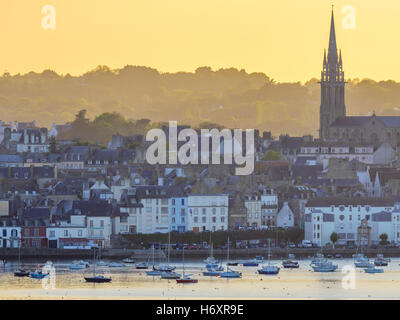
(383, 238)
(272, 155)
(53, 145)
(334, 238)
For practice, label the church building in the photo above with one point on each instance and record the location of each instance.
(335, 126)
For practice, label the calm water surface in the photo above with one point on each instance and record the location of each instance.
(129, 283)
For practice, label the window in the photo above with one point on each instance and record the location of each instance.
(173, 202)
(91, 223)
(4, 232)
(350, 217)
(204, 210)
(79, 233)
(195, 219)
(183, 202)
(36, 232)
(203, 219)
(65, 233)
(214, 219)
(222, 211)
(222, 219)
(52, 234)
(214, 210)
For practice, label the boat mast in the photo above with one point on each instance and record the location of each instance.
(169, 239)
(228, 252)
(152, 247)
(183, 261)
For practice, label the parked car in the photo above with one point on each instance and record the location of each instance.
(292, 245)
(193, 246)
(307, 244)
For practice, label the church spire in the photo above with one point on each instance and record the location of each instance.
(332, 86)
(332, 50)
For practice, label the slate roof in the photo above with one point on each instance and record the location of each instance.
(357, 121)
(10, 158)
(37, 213)
(94, 208)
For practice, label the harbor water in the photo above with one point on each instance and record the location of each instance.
(346, 282)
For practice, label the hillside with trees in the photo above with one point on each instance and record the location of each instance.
(230, 97)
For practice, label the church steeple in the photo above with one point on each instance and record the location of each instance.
(332, 50)
(332, 86)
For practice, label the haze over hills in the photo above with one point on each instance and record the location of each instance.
(229, 97)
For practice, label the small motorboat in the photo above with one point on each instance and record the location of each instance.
(21, 273)
(212, 273)
(164, 268)
(259, 259)
(380, 256)
(187, 279)
(77, 265)
(231, 274)
(153, 273)
(362, 262)
(210, 260)
(324, 267)
(128, 260)
(116, 265)
(101, 263)
(372, 269)
(97, 279)
(290, 264)
(38, 275)
(141, 265)
(170, 275)
(211, 265)
(380, 262)
(338, 256)
(269, 269)
(250, 263)
(232, 263)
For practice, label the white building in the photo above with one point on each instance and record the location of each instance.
(208, 212)
(344, 216)
(285, 217)
(154, 216)
(364, 154)
(99, 230)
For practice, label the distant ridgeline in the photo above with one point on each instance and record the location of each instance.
(229, 97)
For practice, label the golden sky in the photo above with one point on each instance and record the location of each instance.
(284, 39)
